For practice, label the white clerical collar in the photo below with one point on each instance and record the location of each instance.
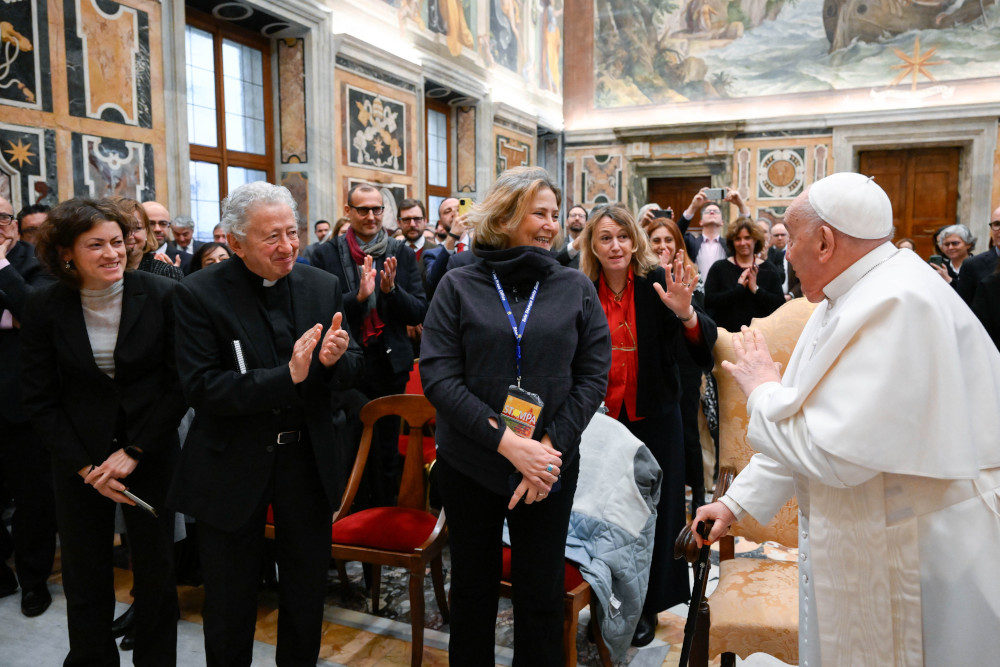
(842, 284)
(269, 283)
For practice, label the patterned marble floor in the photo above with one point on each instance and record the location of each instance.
(351, 634)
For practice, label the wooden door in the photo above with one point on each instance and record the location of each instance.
(922, 184)
(677, 193)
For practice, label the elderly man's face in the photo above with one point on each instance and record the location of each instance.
(182, 235)
(8, 230)
(159, 220)
(272, 242)
(218, 235)
(779, 236)
(804, 241)
(30, 224)
(365, 222)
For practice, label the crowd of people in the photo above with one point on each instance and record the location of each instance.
(147, 371)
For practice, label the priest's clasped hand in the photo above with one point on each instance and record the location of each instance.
(334, 345)
(754, 365)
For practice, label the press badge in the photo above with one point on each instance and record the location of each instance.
(522, 410)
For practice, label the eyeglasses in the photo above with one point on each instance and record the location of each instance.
(365, 210)
(409, 220)
(951, 244)
(995, 225)
(6, 219)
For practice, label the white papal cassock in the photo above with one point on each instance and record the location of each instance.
(887, 427)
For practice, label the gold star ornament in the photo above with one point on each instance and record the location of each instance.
(916, 64)
(19, 153)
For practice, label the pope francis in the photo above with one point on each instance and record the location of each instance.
(886, 425)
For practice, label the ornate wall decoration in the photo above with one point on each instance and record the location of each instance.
(781, 173)
(292, 96)
(511, 152)
(466, 153)
(297, 183)
(27, 165)
(569, 196)
(743, 173)
(601, 179)
(107, 56)
(376, 127)
(819, 162)
(24, 55)
(103, 166)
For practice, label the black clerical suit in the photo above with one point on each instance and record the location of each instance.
(258, 439)
(23, 461)
(83, 416)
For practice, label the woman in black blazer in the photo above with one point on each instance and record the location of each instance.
(653, 325)
(102, 392)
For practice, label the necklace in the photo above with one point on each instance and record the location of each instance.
(617, 294)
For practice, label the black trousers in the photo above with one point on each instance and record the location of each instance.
(230, 564)
(538, 547)
(27, 475)
(86, 531)
(668, 578)
(385, 465)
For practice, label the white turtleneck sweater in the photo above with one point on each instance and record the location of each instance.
(102, 312)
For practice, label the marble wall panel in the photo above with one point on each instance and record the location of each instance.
(512, 148)
(107, 62)
(27, 166)
(376, 127)
(106, 166)
(569, 195)
(297, 183)
(24, 57)
(466, 149)
(601, 179)
(292, 100)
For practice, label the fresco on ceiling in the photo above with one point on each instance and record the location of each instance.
(522, 36)
(663, 51)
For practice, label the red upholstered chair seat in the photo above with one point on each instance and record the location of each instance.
(573, 576)
(387, 528)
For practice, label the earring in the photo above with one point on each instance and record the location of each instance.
(69, 264)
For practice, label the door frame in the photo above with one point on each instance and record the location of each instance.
(977, 137)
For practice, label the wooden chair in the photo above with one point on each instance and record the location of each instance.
(577, 597)
(755, 607)
(406, 535)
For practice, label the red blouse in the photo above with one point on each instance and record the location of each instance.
(623, 378)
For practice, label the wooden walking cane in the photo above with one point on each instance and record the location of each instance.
(698, 611)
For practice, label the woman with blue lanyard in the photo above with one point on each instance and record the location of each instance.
(515, 357)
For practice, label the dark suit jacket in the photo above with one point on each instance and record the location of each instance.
(229, 452)
(173, 251)
(563, 257)
(661, 342)
(776, 259)
(422, 264)
(986, 305)
(80, 413)
(974, 270)
(407, 305)
(16, 282)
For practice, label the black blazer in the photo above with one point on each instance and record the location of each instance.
(661, 342)
(16, 282)
(79, 413)
(226, 462)
(974, 270)
(986, 305)
(407, 305)
(172, 251)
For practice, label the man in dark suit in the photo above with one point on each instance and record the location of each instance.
(453, 234)
(569, 254)
(979, 267)
(260, 354)
(777, 257)
(413, 221)
(25, 465)
(159, 220)
(182, 228)
(378, 312)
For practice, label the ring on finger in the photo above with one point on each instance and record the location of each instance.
(549, 469)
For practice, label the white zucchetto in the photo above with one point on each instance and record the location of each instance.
(853, 204)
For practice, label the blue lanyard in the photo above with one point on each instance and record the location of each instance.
(518, 332)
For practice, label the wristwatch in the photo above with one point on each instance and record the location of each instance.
(455, 236)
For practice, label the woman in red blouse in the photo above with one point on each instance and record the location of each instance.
(653, 324)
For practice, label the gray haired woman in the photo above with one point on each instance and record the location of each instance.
(956, 243)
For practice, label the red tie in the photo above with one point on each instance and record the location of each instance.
(460, 247)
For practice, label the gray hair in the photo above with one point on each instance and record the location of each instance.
(959, 230)
(183, 221)
(236, 207)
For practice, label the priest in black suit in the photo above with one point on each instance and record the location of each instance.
(260, 354)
